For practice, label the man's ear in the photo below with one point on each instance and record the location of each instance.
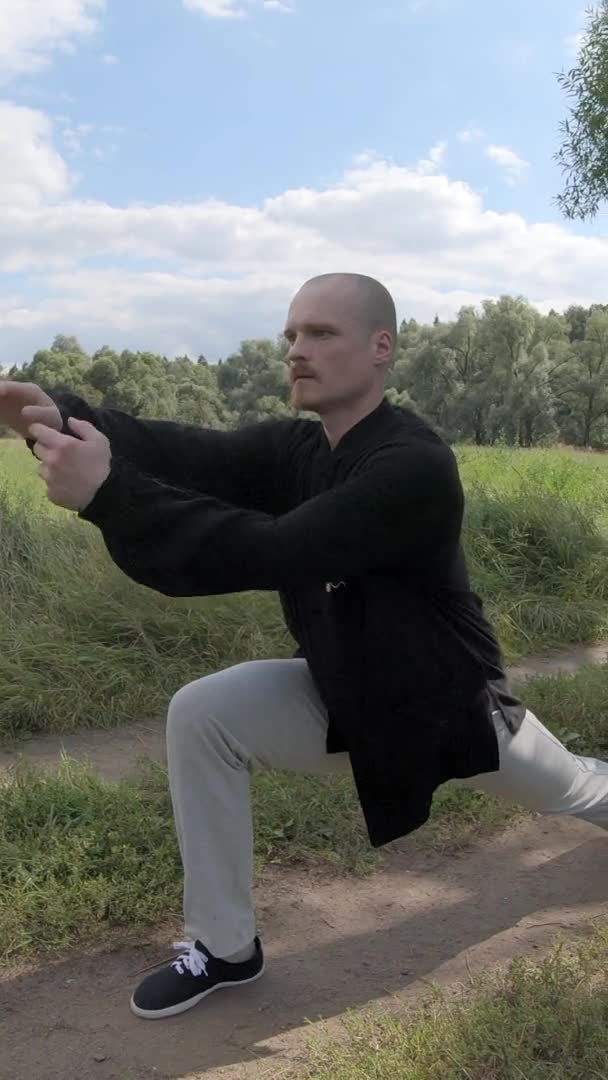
(384, 348)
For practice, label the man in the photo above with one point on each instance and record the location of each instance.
(356, 522)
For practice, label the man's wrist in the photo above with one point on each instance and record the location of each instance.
(107, 500)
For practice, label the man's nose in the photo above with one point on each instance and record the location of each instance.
(297, 351)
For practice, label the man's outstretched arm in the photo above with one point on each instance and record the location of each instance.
(239, 467)
(403, 509)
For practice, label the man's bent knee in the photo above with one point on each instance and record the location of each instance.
(191, 708)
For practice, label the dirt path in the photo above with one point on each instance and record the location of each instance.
(114, 752)
(331, 945)
(330, 948)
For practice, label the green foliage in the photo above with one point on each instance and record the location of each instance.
(536, 540)
(142, 383)
(584, 151)
(127, 652)
(508, 375)
(502, 375)
(576, 707)
(537, 1020)
(255, 382)
(581, 384)
(540, 562)
(80, 856)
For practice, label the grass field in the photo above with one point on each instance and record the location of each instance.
(82, 860)
(536, 538)
(543, 1020)
(80, 644)
(79, 856)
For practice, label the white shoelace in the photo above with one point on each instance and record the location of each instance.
(192, 960)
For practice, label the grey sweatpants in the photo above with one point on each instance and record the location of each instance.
(268, 714)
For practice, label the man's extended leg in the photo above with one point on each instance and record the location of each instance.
(266, 714)
(538, 772)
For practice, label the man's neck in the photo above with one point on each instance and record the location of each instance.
(337, 422)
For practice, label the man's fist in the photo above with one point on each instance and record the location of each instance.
(73, 467)
(23, 404)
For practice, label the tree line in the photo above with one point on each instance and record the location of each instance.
(504, 373)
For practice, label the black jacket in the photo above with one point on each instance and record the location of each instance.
(363, 544)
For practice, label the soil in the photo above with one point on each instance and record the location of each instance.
(331, 946)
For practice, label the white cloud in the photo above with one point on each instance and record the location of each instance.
(104, 153)
(279, 5)
(438, 152)
(31, 30)
(33, 173)
(470, 135)
(216, 9)
(514, 166)
(212, 272)
(109, 58)
(72, 140)
(85, 139)
(236, 9)
(435, 159)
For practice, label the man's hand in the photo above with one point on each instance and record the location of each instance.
(74, 468)
(22, 404)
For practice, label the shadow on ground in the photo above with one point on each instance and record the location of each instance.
(332, 946)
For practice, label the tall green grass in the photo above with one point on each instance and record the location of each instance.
(536, 540)
(574, 476)
(537, 1020)
(80, 644)
(80, 857)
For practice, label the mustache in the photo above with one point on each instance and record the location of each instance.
(293, 375)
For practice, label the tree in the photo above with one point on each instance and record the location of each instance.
(505, 372)
(519, 376)
(583, 155)
(473, 389)
(529, 411)
(430, 382)
(576, 317)
(103, 373)
(255, 381)
(581, 386)
(58, 368)
(69, 345)
(202, 406)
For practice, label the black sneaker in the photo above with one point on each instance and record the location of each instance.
(190, 978)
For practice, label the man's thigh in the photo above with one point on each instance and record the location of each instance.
(271, 709)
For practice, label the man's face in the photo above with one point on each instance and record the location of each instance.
(334, 358)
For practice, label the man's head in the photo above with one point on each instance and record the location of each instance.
(342, 331)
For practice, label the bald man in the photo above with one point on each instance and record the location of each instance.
(356, 522)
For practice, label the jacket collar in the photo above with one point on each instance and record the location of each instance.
(357, 436)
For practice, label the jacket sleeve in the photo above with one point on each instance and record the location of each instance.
(402, 510)
(237, 467)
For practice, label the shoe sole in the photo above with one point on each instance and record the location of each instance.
(183, 1006)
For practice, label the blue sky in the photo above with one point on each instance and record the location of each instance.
(178, 167)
